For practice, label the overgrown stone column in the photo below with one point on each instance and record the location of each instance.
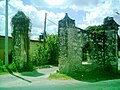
(111, 44)
(20, 36)
(70, 53)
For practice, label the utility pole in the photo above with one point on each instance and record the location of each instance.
(6, 32)
(44, 34)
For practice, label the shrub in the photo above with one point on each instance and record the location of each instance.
(2, 67)
(53, 49)
(47, 54)
(12, 67)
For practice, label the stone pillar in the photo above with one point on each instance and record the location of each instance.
(111, 44)
(69, 56)
(20, 37)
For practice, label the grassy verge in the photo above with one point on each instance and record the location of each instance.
(59, 76)
(93, 76)
(3, 70)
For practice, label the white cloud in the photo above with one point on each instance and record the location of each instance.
(66, 4)
(54, 2)
(18, 4)
(52, 29)
(96, 11)
(96, 15)
(82, 26)
(2, 6)
(36, 16)
(2, 24)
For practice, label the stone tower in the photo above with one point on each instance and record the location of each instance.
(69, 56)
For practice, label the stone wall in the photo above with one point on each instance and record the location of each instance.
(72, 41)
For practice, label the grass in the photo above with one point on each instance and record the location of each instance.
(59, 76)
(93, 76)
(3, 72)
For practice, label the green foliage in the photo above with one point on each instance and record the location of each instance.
(12, 67)
(98, 31)
(1, 62)
(21, 26)
(53, 49)
(20, 21)
(41, 56)
(47, 54)
(2, 67)
(97, 35)
(94, 76)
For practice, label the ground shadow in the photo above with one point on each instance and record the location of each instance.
(22, 78)
(95, 76)
(10, 71)
(32, 74)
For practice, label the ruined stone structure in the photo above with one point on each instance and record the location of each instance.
(100, 53)
(20, 37)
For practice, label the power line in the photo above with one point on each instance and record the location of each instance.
(51, 21)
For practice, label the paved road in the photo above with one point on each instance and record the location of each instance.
(38, 80)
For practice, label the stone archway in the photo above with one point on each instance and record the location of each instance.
(86, 53)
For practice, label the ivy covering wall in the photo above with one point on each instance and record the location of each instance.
(21, 27)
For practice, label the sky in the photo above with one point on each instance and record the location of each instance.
(84, 12)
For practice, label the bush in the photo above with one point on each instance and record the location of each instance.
(12, 67)
(41, 56)
(53, 49)
(3, 68)
(47, 54)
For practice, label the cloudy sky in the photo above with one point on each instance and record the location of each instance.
(84, 12)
